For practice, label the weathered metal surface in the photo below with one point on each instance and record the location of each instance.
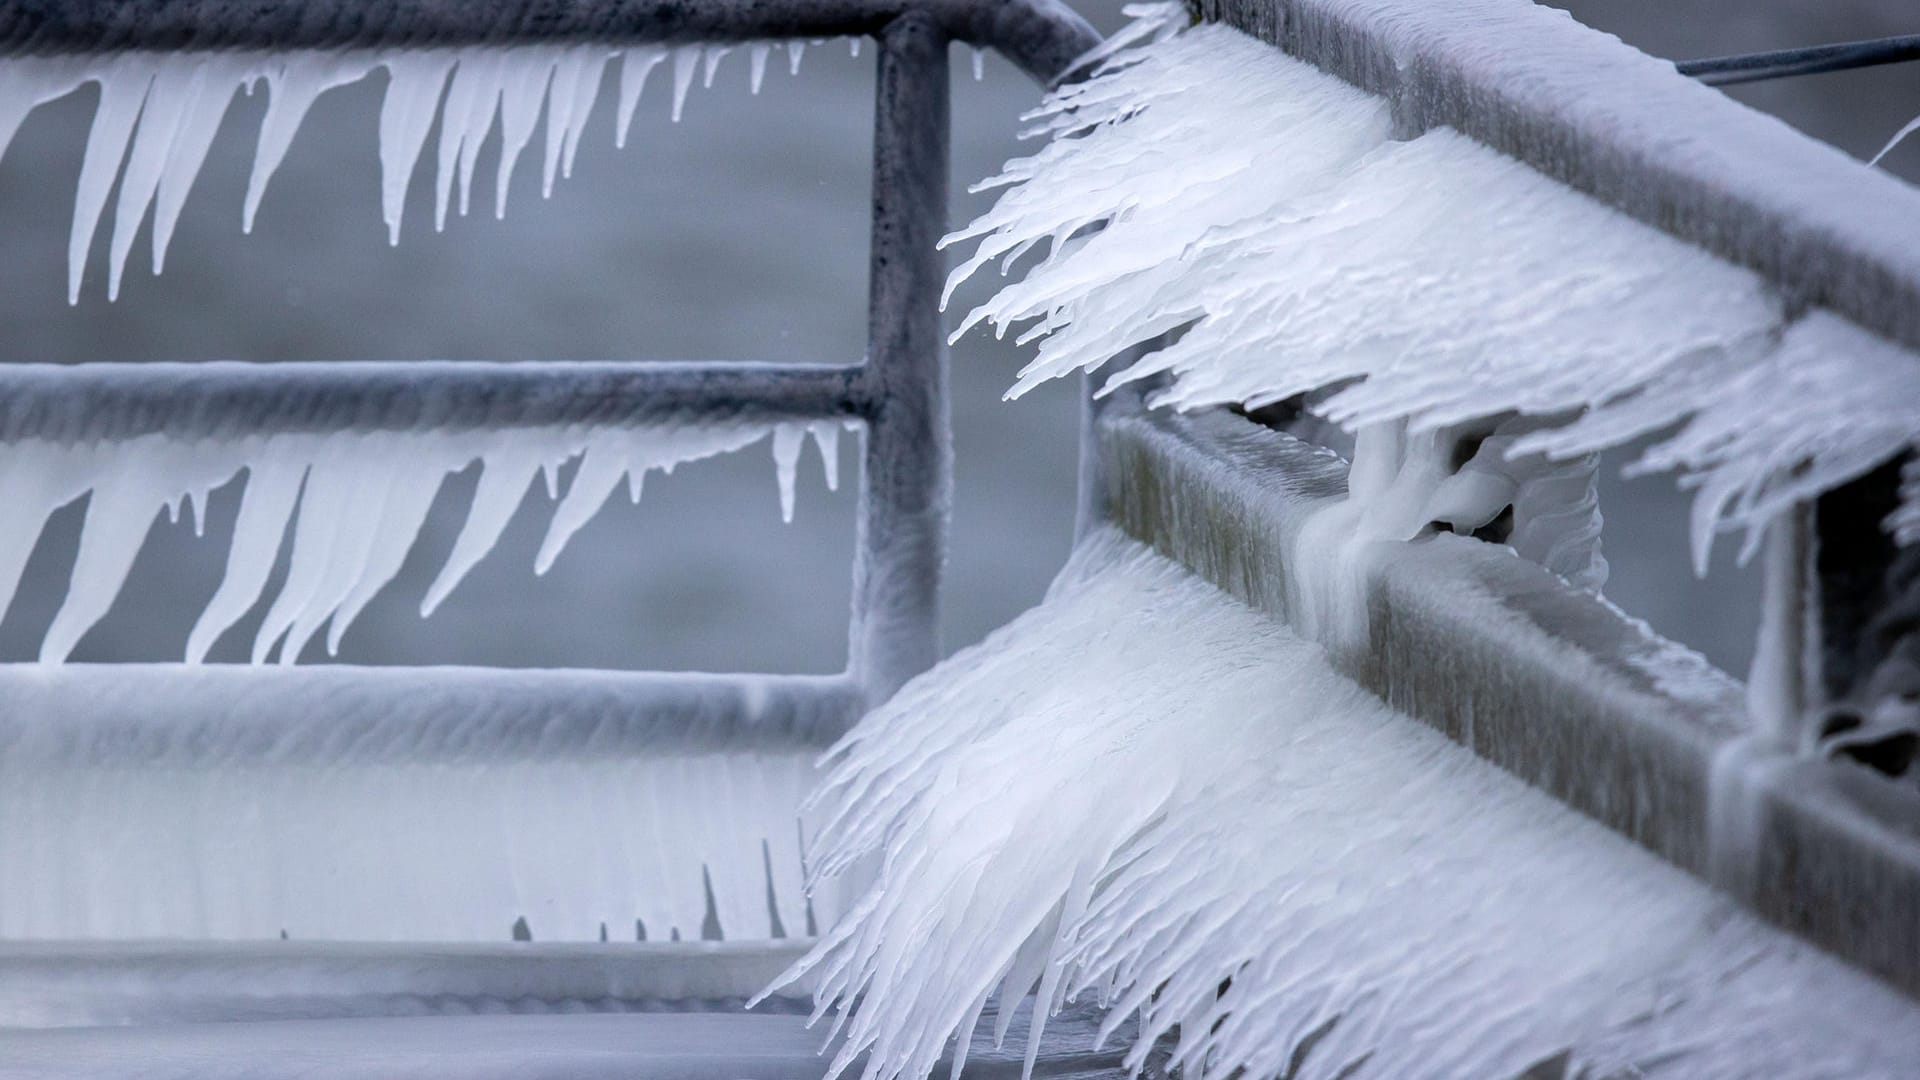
(1550, 683)
(901, 544)
(1041, 36)
(230, 400)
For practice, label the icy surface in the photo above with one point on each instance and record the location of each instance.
(1262, 236)
(1144, 793)
(158, 113)
(354, 504)
(407, 851)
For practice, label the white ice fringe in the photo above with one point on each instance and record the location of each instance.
(408, 851)
(361, 501)
(1259, 211)
(1145, 792)
(158, 113)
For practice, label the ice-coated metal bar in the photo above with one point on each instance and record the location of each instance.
(219, 714)
(91, 983)
(1628, 129)
(1042, 36)
(909, 449)
(1548, 682)
(1808, 60)
(229, 399)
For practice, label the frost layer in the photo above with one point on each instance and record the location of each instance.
(427, 851)
(361, 500)
(158, 113)
(1257, 211)
(1145, 793)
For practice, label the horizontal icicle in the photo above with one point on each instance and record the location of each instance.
(1143, 794)
(1260, 212)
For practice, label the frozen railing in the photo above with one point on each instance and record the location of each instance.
(1551, 682)
(156, 715)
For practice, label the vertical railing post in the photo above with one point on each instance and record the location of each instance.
(909, 455)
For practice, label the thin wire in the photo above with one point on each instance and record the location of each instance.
(1811, 60)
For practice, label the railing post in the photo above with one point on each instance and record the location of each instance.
(909, 454)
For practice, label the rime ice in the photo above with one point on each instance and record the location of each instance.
(1260, 212)
(1146, 794)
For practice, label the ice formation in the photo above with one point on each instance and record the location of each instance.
(1143, 793)
(407, 850)
(158, 113)
(1250, 222)
(360, 498)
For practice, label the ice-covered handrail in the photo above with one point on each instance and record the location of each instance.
(1042, 36)
(1260, 210)
(226, 400)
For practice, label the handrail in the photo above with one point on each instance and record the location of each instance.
(1806, 60)
(1043, 37)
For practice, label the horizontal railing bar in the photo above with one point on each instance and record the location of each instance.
(1807, 60)
(1041, 36)
(230, 400)
(205, 716)
(1627, 129)
(93, 983)
(1548, 682)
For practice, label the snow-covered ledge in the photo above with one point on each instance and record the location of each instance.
(1549, 682)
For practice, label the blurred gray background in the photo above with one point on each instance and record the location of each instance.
(739, 233)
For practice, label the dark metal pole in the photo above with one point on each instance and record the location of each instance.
(909, 457)
(1042, 36)
(1811, 60)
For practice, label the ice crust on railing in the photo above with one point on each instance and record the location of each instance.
(1262, 235)
(356, 502)
(408, 851)
(1146, 794)
(158, 113)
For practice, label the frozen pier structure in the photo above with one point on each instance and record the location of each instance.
(593, 770)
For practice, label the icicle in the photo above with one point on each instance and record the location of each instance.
(176, 85)
(853, 46)
(715, 53)
(123, 90)
(786, 459)
(795, 49)
(472, 100)
(758, 62)
(586, 90)
(413, 96)
(979, 63)
(635, 66)
(826, 437)
(686, 59)
(330, 492)
(599, 473)
(218, 76)
(504, 479)
(292, 87)
(273, 488)
(523, 92)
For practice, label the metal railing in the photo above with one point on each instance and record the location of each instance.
(898, 392)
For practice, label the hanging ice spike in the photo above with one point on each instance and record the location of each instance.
(158, 114)
(356, 503)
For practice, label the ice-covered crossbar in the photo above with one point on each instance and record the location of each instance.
(1262, 213)
(349, 458)
(1144, 793)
